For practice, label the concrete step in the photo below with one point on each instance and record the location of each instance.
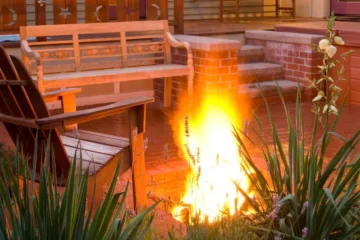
(259, 72)
(269, 89)
(251, 54)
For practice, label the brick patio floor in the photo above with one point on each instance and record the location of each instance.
(166, 177)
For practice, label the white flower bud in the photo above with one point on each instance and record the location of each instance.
(323, 44)
(331, 50)
(339, 40)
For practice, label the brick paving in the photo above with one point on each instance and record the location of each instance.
(166, 176)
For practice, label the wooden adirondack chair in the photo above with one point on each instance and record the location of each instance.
(25, 115)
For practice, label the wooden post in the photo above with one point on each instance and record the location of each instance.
(40, 13)
(179, 16)
(40, 16)
(137, 128)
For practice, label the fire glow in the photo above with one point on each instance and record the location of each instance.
(210, 148)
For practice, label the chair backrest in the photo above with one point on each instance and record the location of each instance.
(25, 101)
(81, 47)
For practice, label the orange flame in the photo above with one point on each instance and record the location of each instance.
(207, 141)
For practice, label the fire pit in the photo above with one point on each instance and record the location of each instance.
(206, 140)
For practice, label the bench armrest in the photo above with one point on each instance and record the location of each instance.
(175, 43)
(25, 48)
(30, 54)
(85, 115)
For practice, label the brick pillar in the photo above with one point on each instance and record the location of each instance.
(215, 64)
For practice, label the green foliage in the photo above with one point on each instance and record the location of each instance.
(40, 211)
(8, 159)
(303, 196)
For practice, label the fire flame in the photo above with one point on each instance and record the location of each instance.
(212, 152)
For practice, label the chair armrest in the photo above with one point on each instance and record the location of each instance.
(59, 94)
(18, 121)
(65, 119)
(25, 48)
(175, 43)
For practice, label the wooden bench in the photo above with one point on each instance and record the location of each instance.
(28, 122)
(76, 55)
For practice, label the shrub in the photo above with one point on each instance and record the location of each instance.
(301, 196)
(40, 211)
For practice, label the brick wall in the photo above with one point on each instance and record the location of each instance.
(299, 60)
(215, 71)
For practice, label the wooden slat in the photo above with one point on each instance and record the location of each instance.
(86, 115)
(144, 37)
(90, 156)
(89, 28)
(93, 167)
(54, 49)
(38, 105)
(90, 146)
(123, 49)
(95, 40)
(74, 79)
(50, 43)
(110, 140)
(13, 82)
(76, 51)
(145, 43)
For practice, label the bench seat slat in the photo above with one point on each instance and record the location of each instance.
(72, 79)
(90, 146)
(95, 137)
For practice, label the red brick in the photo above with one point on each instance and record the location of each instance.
(288, 59)
(217, 70)
(299, 61)
(217, 86)
(228, 62)
(292, 66)
(229, 77)
(200, 54)
(293, 53)
(313, 62)
(212, 78)
(210, 62)
(200, 69)
(218, 55)
(288, 73)
(233, 69)
(233, 54)
(299, 74)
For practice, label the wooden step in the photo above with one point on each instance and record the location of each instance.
(269, 89)
(259, 72)
(251, 54)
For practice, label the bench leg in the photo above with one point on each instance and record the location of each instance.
(167, 91)
(68, 103)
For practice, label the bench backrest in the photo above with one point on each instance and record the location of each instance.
(91, 46)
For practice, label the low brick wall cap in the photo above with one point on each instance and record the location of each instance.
(209, 44)
(285, 37)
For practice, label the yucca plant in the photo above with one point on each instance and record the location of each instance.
(302, 196)
(41, 211)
